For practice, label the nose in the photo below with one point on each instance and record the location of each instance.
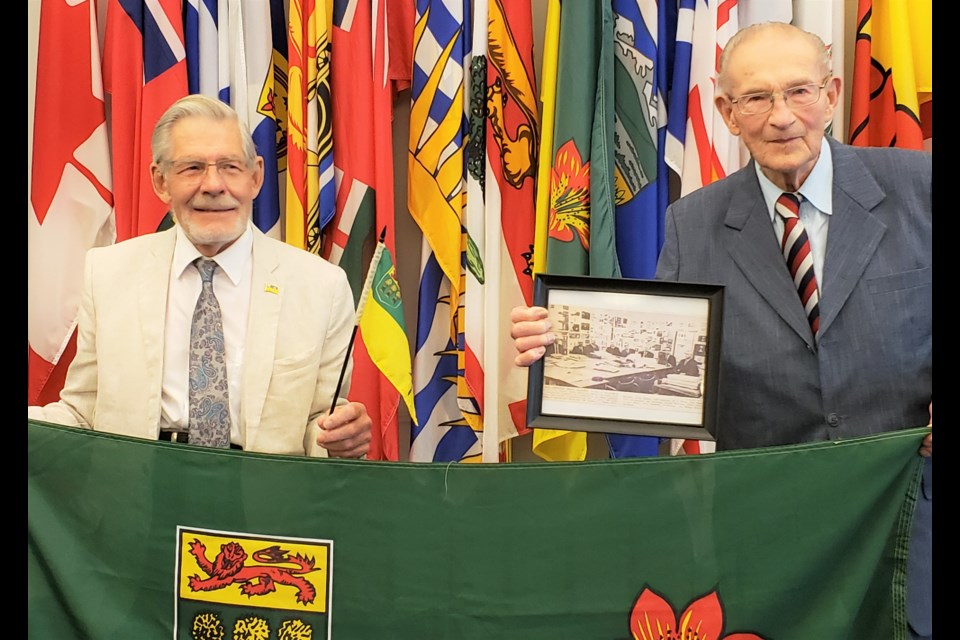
(212, 182)
(780, 113)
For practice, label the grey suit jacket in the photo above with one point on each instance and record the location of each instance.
(872, 369)
(300, 321)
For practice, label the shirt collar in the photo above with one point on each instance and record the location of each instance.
(231, 260)
(817, 188)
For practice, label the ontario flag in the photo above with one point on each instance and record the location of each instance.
(362, 109)
(70, 203)
(145, 71)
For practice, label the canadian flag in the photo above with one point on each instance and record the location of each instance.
(71, 201)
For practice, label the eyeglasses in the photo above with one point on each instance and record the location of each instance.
(193, 171)
(753, 104)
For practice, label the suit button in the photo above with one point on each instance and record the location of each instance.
(833, 420)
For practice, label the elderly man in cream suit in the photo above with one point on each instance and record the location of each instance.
(287, 314)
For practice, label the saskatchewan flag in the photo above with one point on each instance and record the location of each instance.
(129, 538)
(382, 322)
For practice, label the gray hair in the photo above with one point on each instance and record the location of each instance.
(826, 62)
(197, 106)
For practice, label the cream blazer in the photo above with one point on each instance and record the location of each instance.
(300, 323)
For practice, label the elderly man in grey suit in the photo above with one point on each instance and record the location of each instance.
(822, 339)
(284, 317)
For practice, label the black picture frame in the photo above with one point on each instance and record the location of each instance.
(616, 377)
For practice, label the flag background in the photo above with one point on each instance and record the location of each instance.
(400, 27)
(144, 72)
(892, 94)
(69, 182)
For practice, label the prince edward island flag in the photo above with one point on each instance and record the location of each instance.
(139, 540)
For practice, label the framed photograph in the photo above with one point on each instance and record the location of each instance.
(646, 364)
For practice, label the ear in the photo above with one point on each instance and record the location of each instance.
(725, 107)
(258, 175)
(160, 184)
(833, 97)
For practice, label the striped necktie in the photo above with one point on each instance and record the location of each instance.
(796, 251)
(209, 401)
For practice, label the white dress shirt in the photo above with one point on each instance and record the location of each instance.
(231, 285)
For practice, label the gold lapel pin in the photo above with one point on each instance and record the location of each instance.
(272, 288)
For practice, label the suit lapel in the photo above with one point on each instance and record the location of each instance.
(152, 304)
(754, 248)
(854, 233)
(266, 296)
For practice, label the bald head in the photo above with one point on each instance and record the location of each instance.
(773, 32)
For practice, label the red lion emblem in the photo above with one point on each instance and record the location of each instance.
(254, 580)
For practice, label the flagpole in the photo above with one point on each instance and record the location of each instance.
(364, 293)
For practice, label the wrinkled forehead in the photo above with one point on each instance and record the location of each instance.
(773, 59)
(201, 137)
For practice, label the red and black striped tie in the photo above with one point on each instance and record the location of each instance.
(796, 251)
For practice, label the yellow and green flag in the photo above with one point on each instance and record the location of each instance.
(382, 316)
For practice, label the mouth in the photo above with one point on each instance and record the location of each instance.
(215, 208)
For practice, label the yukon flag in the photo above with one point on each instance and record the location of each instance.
(145, 71)
(892, 96)
(382, 316)
(69, 182)
(231, 56)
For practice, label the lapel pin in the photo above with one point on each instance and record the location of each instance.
(272, 288)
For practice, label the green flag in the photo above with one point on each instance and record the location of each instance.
(581, 236)
(581, 233)
(138, 539)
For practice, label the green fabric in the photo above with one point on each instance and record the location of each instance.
(582, 234)
(603, 232)
(570, 198)
(352, 259)
(799, 542)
